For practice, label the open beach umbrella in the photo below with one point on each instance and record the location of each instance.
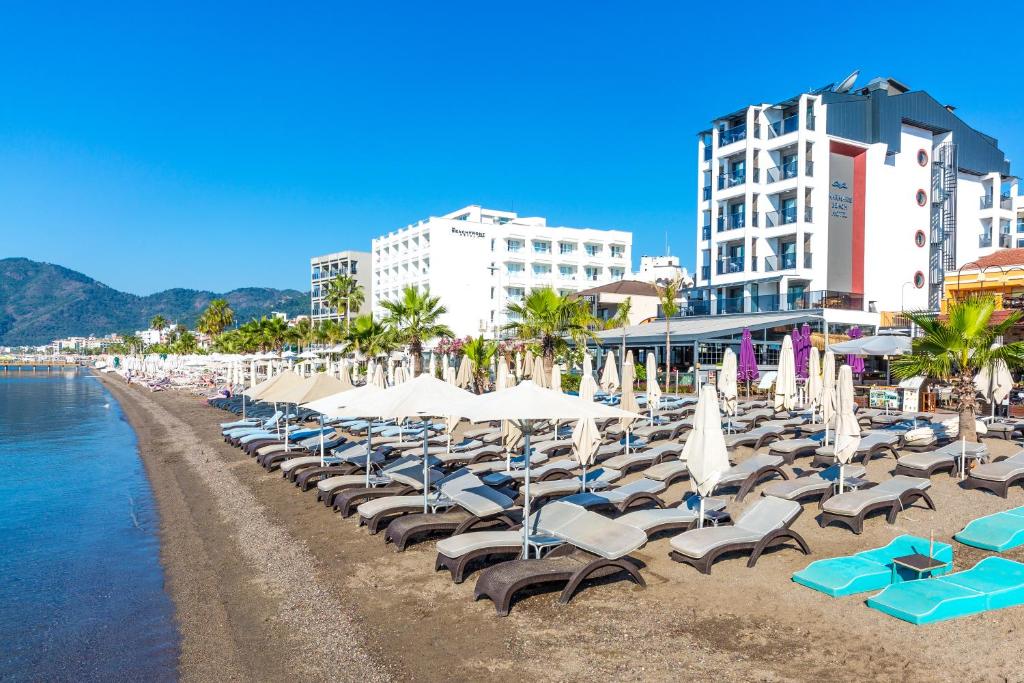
(813, 384)
(653, 390)
(528, 406)
(746, 370)
(588, 387)
(610, 375)
(785, 380)
(346, 404)
(423, 397)
(847, 428)
(994, 383)
(285, 379)
(705, 452)
(727, 383)
(528, 365)
(827, 393)
(540, 377)
(465, 374)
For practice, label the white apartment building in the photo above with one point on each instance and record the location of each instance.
(323, 269)
(479, 260)
(661, 270)
(856, 200)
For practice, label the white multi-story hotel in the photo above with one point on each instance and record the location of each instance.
(478, 260)
(323, 269)
(848, 199)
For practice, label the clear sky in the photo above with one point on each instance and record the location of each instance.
(218, 144)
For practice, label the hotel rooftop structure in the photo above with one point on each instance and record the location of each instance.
(850, 201)
(479, 260)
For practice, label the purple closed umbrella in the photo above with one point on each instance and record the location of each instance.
(746, 369)
(802, 356)
(856, 363)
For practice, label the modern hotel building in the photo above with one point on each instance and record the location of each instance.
(323, 269)
(853, 200)
(479, 260)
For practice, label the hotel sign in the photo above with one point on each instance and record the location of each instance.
(468, 233)
(840, 200)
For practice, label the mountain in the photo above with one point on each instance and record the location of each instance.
(40, 302)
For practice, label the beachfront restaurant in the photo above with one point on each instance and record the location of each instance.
(700, 342)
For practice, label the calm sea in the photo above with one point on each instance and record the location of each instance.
(81, 587)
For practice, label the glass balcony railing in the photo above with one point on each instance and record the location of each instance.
(1005, 240)
(790, 124)
(772, 303)
(776, 263)
(985, 241)
(705, 232)
(728, 180)
(784, 217)
(706, 193)
(808, 259)
(1006, 202)
(986, 202)
(731, 135)
(730, 264)
(732, 221)
(810, 120)
(705, 273)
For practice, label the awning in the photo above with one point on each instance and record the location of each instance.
(702, 328)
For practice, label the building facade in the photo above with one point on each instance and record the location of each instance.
(661, 270)
(479, 260)
(857, 200)
(323, 269)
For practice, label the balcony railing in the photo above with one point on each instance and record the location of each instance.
(730, 264)
(772, 303)
(1005, 240)
(728, 180)
(787, 125)
(784, 217)
(732, 221)
(810, 120)
(1006, 202)
(809, 169)
(707, 192)
(731, 135)
(705, 273)
(707, 153)
(986, 202)
(808, 259)
(779, 262)
(705, 232)
(783, 172)
(985, 241)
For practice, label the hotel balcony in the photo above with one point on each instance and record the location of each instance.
(985, 241)
(730, 264)
(788, 171)
(705, 232)
(774, 219)
(774, 303)
(733, 221)
(727, 180)
(705, 273)
(731, 135)
(706, 194)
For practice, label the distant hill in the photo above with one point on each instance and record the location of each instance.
(40, 302)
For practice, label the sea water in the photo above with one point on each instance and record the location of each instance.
(81, 586)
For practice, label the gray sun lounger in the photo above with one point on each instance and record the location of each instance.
(997, 477)
(765, 525)
(644, 457)
(550, 470)
(593, 547)
(556, 488)
(755, 438)
(750, 473)
(679, 518)
(818, 485)
(622, 497)
(850, 508)
(927, 463)
(871, 444)
(791, 449)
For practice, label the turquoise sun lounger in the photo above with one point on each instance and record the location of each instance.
(870, 570)
(998, 532)
(993, 583)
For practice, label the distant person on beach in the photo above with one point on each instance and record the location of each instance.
(128, 377)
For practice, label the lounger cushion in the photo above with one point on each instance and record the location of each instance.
(389, 503)
(769, 514)
(332, 483)
(852, 502)
(794, 445)
(738, 473)
(292, 463)
(684, 513)
(665, 470)
(457, 546)
(802, 486)
(636, 457)
(482, 501)
(590, 531)
(699, 542)
(998, 471)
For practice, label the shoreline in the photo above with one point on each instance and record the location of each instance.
(233, 537)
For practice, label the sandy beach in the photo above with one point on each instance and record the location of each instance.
(269, 585)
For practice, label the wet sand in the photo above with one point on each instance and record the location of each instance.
(268, 585)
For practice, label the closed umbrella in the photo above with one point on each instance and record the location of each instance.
(994, 383)
(588, 387)
(501, 375)
(785, 380)
(827, 394)
(586, 438)
(556, 378)
(540, 377)
(528, 406)
(610, 375)
(847, 428)
(528, 365)
(704, 452)
(432, 367)
(813, 384)
(746, 370)
(465, 373)
(803, 359)
(378, 377)
(449, 375)
(628, 402)
(519, 365)
(727, 383)
(653, 390)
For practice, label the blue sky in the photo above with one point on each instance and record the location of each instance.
(217, 145)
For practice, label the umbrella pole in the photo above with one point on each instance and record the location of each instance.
(369, 450)
(426, 478)
(628, 438)
(842, 476)
(526, 489)
(321, 441)
(963, 457)
(243, 406)
(286, 449)
(700, 513)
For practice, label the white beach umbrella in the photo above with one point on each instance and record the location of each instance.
(345, 373)
(813, 385)
(378, 376)
(609, 375)
(527, 365)
(827, 394)
(877, 345)
(994, 383)
(286, 379)
(628, 402)
(847, 428)
(399, 377)
(465, 373)
(519, 365)
(586, 438)
(449, 375)
(501, 379)
(540, 377)
(422, 397)
(588, 386)
(556, 378)
(528, 405)
(705, 452)
(653, 390)
(346, 404)
(727, 384)
(785, 380)
(313, 388)
(432, 366)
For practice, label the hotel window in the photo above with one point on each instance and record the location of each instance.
(540, 269)
(516, 294)
(593, 249)
(566, 248)
(514, 268)
(567, 272)
(513, 246)
(592, 273)
(616, 273)
(617, 251)
(541, 247)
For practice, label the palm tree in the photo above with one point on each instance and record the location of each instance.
(668, 298)
(158, 322)
(415, 318)
(549, 318)
(957, 348)
(369, 337)
(301, 333)
(343, 290)
(185, 344)
(621, 319)
(217, 317)
(480, 352)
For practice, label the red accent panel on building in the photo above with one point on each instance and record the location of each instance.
(860, 168)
